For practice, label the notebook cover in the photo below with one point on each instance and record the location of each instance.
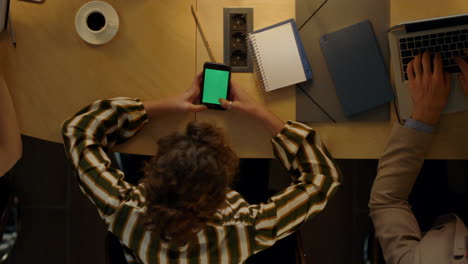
(300, 46)
(357, 68)
(333, 16)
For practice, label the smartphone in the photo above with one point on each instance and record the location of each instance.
(215, 84)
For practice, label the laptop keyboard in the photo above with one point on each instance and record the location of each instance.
(449, 44)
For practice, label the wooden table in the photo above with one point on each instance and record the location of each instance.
(247, 137)
(451, 139)
(345, 140)
(368, 140)
(52, 73)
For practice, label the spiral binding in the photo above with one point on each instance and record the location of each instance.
(257, 62)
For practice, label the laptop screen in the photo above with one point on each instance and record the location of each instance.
(442, 22)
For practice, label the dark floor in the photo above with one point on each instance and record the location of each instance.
(59, 225)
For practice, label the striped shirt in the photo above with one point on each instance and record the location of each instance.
(236, 231)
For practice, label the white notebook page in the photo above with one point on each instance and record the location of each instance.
(279, 57)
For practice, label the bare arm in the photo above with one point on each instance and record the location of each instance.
(10, 138)
(184, 102)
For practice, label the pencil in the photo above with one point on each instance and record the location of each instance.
(12, 32)
(202, 33)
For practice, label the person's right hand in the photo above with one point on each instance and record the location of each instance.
(463, 77)
(242, 102)
(429, 90)
(239, 100)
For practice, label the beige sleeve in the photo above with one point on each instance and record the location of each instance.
(396, 227)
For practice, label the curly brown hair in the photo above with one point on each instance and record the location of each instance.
(186, 181)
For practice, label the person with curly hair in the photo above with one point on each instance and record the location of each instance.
(183, 210)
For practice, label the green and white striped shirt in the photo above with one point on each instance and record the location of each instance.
(236, 231)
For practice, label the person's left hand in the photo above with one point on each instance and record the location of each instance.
(184, 102)
(429, 90)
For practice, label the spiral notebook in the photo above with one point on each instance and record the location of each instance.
(279, 56)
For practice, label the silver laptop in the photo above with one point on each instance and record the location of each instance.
(445, 35)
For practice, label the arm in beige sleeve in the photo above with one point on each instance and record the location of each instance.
(10, 138)
(396, 227)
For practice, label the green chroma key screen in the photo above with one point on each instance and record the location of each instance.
(215, 86)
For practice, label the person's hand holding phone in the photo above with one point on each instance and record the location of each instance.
(240, 100)
(429, 89)
(215, 84)
(184, 102)
(463, 77)
(187, 101)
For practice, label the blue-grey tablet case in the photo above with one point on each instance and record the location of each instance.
(357, 68)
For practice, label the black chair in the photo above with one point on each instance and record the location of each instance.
(372, 251)
(114, 250)
(288, 250)
(9, 217)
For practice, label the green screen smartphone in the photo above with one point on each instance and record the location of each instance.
(215, 84)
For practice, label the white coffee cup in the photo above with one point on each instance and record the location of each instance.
(97, 22)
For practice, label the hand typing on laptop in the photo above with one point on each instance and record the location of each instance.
(396, 227)
(429, 89)
(463, 77)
